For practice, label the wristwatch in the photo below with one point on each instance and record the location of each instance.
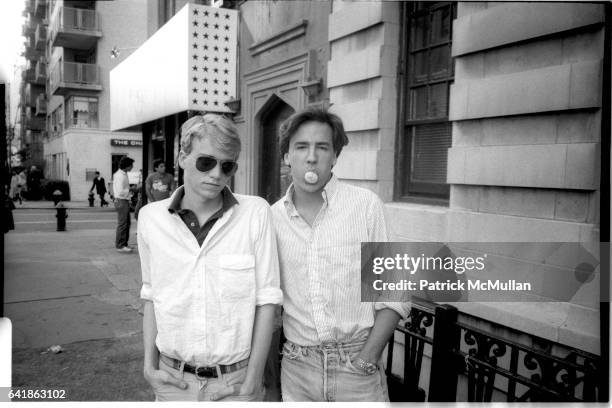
(367, 367)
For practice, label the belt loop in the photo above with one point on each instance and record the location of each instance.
(182, 369)
(342, 352)
(219, 373)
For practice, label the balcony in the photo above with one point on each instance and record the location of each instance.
(75, 28)
(74, 76)
(40, 7)
(32, 122)
(41, 105)
(30, 73)
(29, 6)
(40, 72)
(32, 91)
(40, 37)
(27, 29)
(31, 52)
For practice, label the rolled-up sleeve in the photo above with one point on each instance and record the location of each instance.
(379, 232)
(267, 273)
(401, 308)
(145, 260)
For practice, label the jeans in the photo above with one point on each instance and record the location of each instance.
(123, 223)
(327, 373)
(202, 389)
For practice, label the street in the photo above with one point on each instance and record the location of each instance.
(43, 220)
(73, 289)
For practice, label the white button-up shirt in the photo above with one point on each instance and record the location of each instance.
(205, 297)
(321, 265)
(121, 185)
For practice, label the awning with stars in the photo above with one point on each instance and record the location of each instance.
(212, 54)
(190, 63)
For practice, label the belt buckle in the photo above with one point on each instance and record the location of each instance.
(330, 345)
(204, 372)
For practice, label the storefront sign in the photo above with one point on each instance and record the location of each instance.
(126, 142)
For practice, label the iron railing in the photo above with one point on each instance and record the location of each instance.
(469, 363)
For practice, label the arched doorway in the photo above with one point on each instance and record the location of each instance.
(274, 176)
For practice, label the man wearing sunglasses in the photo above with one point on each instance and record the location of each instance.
(210, 276)
(334, 341)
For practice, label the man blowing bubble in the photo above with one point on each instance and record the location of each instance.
(334, 341)
(210, 276)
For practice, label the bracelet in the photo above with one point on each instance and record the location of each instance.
(367, 367)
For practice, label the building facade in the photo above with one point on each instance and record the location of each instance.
(67, 87)
(474, 122)
(32, 105)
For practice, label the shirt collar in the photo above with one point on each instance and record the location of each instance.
(328, 193)
(229, 200)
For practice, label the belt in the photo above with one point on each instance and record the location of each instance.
(204, 372)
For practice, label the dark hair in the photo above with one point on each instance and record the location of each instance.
(97, 173)
(125, 162)
(290, 126)
(157, 162)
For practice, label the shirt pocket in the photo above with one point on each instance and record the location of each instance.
(237, 277)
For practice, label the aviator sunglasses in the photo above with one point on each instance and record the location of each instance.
(207, 163)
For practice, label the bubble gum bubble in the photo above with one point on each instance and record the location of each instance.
(311, 177)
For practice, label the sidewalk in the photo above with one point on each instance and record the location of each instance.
(73, 289)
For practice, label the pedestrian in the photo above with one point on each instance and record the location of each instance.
(18, 181)
(122, 193)
(334, 341)
(8, 223)
(210, 276)
(34, 183)
(100, 185)
(159, 184)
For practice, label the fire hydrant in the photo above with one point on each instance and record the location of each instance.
(57, 197)
(90, 198)
(61, 216)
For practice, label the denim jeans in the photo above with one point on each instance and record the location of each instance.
(123, 223)
(202, 389)
(327, 373)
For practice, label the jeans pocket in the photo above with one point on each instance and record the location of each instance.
(351, 367)
(291, 352)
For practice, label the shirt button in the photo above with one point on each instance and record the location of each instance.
(193, 224)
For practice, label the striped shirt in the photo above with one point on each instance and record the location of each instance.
(321, 265)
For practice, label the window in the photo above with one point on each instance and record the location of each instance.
(425, 131)
(82, 112)
(56, 123)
